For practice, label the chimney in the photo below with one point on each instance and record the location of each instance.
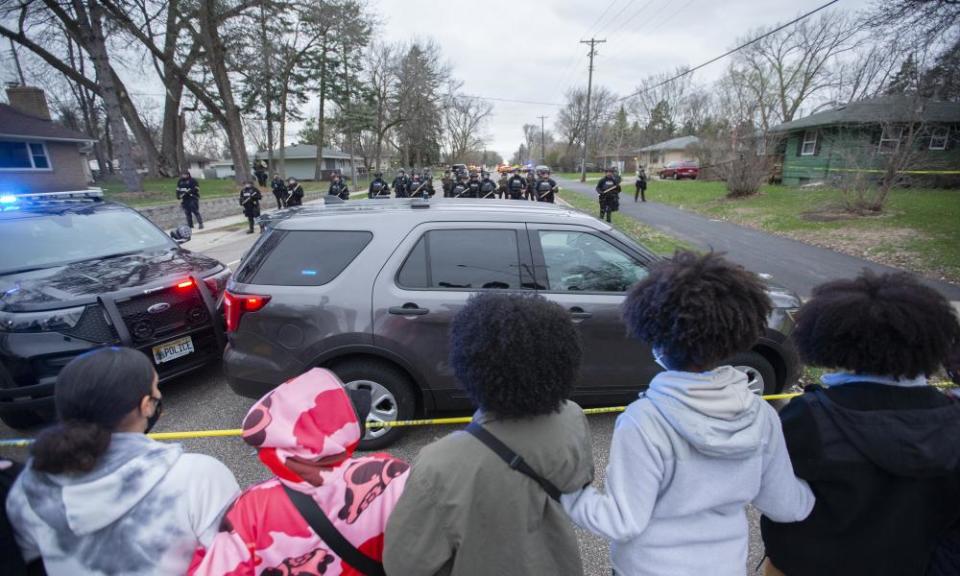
(28, 100)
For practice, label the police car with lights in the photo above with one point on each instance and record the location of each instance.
(77, 273)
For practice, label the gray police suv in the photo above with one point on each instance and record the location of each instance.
(368, 289)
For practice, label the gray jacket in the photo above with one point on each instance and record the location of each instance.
(465, 512)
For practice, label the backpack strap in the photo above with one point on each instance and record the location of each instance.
(318, 521)
(514, 460)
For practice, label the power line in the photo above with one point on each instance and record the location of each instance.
(512, 101)
(604, 13)
(729, 52)
(635, 14)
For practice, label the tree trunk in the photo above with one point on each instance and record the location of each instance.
(267, 91)
(282, 164)
(318, 173)
(216, 60)
(170, 158)
(96, 47)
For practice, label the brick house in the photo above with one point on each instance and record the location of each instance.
(37, 154)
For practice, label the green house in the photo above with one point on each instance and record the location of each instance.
(916, 137)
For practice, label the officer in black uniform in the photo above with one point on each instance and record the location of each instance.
(338, 188)
(447, 183)
(473, 186)
(401, 184)
(545, 187)
(294, 193)
(378, 187)
(459, 187)
(516, 186)
(608, 190)
(260, 171)
(418, 187)
(188, 193)
(531, 181)
(488, 188)
(641, 185)
(502, 185)
(279, 191)
(250, 202)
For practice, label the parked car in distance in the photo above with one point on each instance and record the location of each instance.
(78, 273)
(680, 169)
(368, 290)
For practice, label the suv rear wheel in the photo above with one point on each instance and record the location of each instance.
(392, 397)
(759, 370)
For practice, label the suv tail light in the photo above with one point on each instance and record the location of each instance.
(216, 283)
(236, 305)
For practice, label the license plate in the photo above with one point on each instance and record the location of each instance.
(173, 350)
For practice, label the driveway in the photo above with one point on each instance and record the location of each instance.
(796, 265)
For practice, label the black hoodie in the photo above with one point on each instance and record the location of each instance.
(884, 464)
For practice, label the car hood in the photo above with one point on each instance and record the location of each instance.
(81, 282)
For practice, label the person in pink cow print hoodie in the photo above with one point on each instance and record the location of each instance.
(306, 431)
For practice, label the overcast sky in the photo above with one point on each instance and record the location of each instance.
(530, 50)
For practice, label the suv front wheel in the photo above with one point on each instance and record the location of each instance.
(391, 397)
(762, 376)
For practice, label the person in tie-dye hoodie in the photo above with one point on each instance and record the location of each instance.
(306, 431)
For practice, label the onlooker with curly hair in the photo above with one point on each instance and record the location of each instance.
(879, 446)
(698, 445)
(464, 510)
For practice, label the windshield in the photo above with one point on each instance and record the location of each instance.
(47, 240)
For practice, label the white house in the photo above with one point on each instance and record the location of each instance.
(656, 156)
(301, 161)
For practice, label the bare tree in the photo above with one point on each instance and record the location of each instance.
(463, 121)
(785, 70)
(382, 64)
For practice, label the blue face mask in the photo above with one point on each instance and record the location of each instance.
(658, 358)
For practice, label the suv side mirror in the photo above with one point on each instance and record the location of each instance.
(181, 234)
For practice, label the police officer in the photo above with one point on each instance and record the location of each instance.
(260, 171)
(459, 187)
(418, 187)
(488, 188)
(250, 202)
(545, 187)
(502, 185)
(338, 188)
(516, 186)
(531, 181)
(473, 186)
(188, 193)
(447, 183)
(608, 190)
(279, 191)
(641, 185)
(378, 187)
(294, 193)
(401, 184)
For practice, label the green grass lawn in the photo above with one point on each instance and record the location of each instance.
(163, 190)
(919, 231)
(591, 176)
(650, 237)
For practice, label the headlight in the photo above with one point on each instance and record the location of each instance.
(47, 321)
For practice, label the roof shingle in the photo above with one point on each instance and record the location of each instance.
(18, 124)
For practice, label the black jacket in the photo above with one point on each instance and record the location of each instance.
(545, 189)
(188, 192)
(250, 201)
(296, 195)
(340, 189)
(884, 464)
(378, 189)
(279, 188)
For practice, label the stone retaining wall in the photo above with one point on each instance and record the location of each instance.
(170, 216)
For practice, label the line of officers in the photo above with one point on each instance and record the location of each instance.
(539, 186)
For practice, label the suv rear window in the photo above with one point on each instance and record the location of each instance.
(302, 257)
(465, 259)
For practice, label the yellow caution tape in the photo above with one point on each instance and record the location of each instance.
(233, 432)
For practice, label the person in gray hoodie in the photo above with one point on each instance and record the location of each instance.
(698, 446)
(99, 497)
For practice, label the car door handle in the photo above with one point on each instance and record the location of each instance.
(408, 309)
(577, 313)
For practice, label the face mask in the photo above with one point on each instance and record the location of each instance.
(658, 358)
(152, 420)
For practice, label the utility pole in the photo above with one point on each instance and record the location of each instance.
(16, 60)
(543, 148)
(586, 124)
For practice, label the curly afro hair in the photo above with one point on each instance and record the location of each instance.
(516, 356)
(698, 310)
(888, 325)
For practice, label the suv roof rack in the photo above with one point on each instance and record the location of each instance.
(87, 195)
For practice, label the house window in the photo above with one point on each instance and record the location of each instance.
(890, 139)
(809, 146)
(938, 138)
(19, 156)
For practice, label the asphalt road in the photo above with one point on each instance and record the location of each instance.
(203, 401)
(793, 264)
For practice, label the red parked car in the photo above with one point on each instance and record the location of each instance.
(678, 170)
